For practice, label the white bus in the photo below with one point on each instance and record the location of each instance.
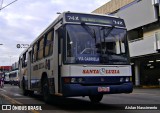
(6, 78)
(14, 77)
(79, 54)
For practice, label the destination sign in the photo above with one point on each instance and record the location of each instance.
(96, 19)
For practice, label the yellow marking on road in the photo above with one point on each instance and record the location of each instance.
(10, 99)
(34, 111)
(15, 102)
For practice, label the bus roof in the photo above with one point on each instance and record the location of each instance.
(13, 71)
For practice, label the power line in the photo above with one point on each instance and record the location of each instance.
(7, 4)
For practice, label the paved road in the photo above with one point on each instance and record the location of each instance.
(110, 104)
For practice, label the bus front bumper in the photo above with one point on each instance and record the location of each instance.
(80, 90)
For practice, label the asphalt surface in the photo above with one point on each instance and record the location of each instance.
(117, 103)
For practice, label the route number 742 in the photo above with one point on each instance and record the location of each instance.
(73, 17)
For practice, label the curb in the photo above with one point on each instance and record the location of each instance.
(147, 87)
(151, 87)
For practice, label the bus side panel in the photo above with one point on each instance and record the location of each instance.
(39, 69)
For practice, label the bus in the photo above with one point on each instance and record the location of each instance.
(79, 54)
(1, 79)
(14, 77)
(6, 78)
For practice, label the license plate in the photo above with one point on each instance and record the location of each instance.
(103, 89)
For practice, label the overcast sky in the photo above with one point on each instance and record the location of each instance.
(24, 20)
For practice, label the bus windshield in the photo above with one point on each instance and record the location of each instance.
(87, 44)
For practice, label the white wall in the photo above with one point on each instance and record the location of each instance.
(144, 46)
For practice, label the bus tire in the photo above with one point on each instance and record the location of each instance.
(45, 90)
(24, 91)
(96, 98)
(31, 93)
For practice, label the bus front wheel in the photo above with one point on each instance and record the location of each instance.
(96, 98)
(45, 90)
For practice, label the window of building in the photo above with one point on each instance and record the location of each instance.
(157, 36)
(158, 10)
(135, 34)
(49, 44)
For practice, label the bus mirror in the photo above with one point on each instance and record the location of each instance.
(117, 47)
(122, 47)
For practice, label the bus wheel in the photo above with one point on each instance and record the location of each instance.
(45, 91)
(31, 93)
(24, 91)
(96, 98)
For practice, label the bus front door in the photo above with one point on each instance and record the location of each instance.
(29, 69)
(57, 64)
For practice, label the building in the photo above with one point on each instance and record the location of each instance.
(142, 18)
(112, 6)
(15, 66)
(5, 68)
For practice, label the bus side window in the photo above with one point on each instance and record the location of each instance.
(40, 51)
(49, 44)
(35, 52)
(32, 55)
(24, 60)
(20, 61)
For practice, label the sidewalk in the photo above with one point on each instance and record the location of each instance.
(148, 87)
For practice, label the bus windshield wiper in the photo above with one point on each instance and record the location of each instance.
(89, 30)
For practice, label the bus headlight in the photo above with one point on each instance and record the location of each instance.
(73, 80)
(68, 80)
(127, 79)
(121, 79)
(80, 80)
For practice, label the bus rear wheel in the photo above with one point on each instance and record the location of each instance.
(25, 92)
(45, 91)
(96, 98)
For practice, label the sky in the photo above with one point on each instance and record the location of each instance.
(22, 21)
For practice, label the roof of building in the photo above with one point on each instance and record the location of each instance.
(112, 6)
